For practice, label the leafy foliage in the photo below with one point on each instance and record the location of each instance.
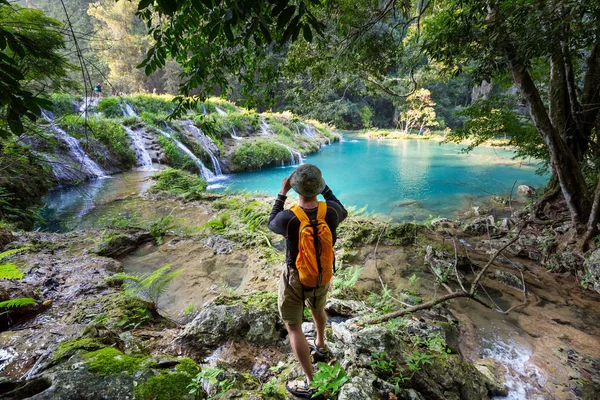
(10, 271)
(148, 287)
(257, 154)
(329, 379)
(18, 302)
(170, 180)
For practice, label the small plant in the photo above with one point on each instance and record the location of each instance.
(328, 379)
(586, 280)
(381, 365)
(413, 280)
(189, 309)
(209, 376)
(160, 227)
(395, 324)
(433, 342)
(382, 302)
(597, 240)
(345, 279)
(418, 360)
(148, 287)
(277, 368)
(269, 388)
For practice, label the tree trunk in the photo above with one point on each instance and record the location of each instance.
(568, 170)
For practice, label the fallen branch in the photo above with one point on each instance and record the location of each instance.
(454, 295)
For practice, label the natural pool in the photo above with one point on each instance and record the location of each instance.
(414, 179)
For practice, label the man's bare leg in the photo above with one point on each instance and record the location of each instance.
(320, 319)
(300, 348)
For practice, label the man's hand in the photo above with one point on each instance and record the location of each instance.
(286, 185)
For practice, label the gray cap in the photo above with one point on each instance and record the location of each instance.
(307, 180)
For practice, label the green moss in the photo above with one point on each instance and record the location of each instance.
(62, 104)
(175, 157)
(110, 361)
(69, 347)
(265, 300)
(162, 104)
(114, 310)
(169, 385)
(178, 182)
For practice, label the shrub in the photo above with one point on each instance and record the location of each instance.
(174, 181)
(110, 107)
(62, 104)
(162, 104)
(257, 154)
(175, 156)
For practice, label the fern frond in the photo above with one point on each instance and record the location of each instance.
(18, 302)
(9, 253)
(10, 271)
(125, 277)
(150, 286)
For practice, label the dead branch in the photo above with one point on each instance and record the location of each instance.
(453, 295)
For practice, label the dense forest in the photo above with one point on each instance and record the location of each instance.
(141, 142)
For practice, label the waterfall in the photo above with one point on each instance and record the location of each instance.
(206, 143)
(206, 173)
(264, 127)
(128, 110)
(144, 161)
(89, 166)
(296, 157)
(220, 111)
(88, 102)
(309, 131)
(234, 134)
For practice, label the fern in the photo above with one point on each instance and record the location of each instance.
(18, 302)
(12, 252)
(10, 271)
(148, 287)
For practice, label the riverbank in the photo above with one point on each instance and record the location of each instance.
(90, 334)
(437, 136)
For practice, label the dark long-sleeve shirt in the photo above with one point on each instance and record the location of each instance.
(285, 222)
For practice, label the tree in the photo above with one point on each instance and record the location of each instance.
(30, 62)
(419, 112)
(513, 35)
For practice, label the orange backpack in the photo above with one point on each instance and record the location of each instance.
(315, 252)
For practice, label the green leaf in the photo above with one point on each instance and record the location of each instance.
(228, 33)
(144, 3)
(168, 7)
(285, 17)
(10, 271)
(18, 302)
(307, 33)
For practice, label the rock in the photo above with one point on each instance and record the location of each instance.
(481, 225)
(509, 279)
(219, 245)
(308, 328)
(496, 384)
(441, 261)
(565, 261)
(592, 268)
(5, 238)
(444, 225)
(119, 244)
(226, 318)
(527, 190)
(364, 385)
(345, 308)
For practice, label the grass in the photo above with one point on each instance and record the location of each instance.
(177, 182)
(257, 154)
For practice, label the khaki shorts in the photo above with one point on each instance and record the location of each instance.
(290, 297)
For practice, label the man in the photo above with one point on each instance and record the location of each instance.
(292, 294)
(98, 89)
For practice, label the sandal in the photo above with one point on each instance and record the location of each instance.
(300, 389)
(318, 353)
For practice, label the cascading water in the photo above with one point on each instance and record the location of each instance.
(128, 111)
(144, 161)
(88, 166)
(295, 156)
(234, 134)
(264, 127)
(207, 174)
(88, 102)
(206, 143)
(309, 131)
(220, 111)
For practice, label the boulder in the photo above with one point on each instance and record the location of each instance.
(365, 385)
(592, 268)
(441, 261)
(527, 190)
(509, 279)
(5, 238)
(481, 225)
(219, 245)
(346, 308)
(120, 243)
(252, 317)
(444, 225)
